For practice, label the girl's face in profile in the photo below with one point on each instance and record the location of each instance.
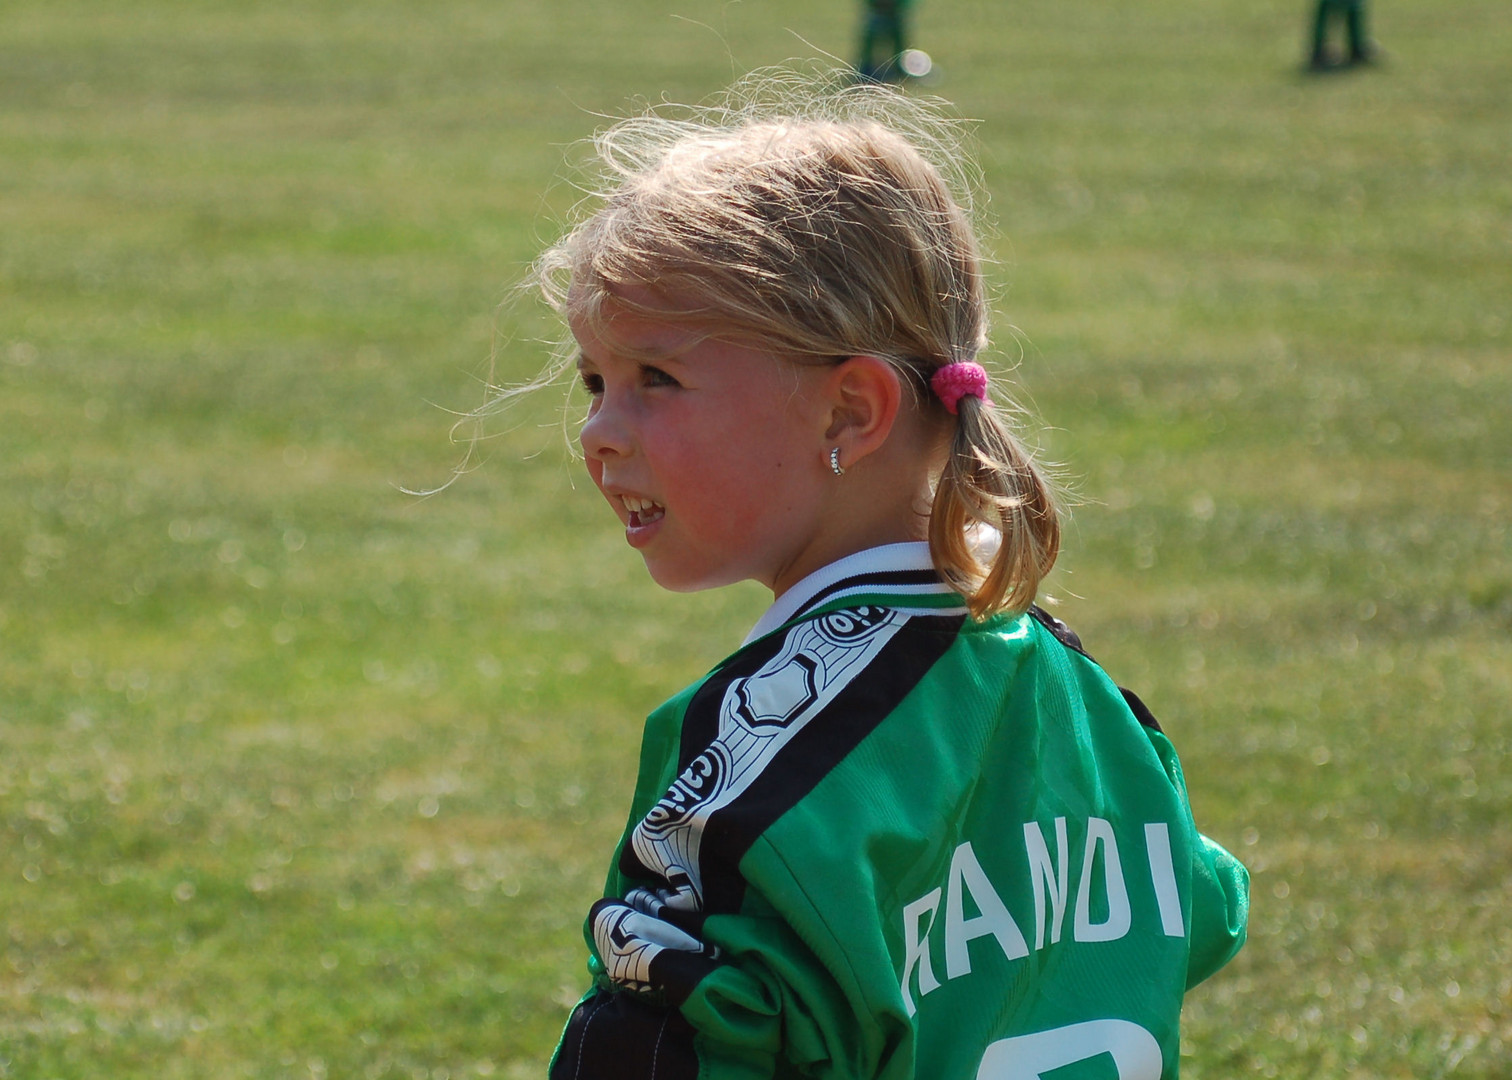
(711, 453)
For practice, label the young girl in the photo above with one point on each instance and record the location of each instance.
(909, 828)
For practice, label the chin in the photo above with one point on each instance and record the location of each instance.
(677, 579)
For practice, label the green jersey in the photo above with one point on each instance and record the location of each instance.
(885, 840)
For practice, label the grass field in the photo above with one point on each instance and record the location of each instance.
(304, 777)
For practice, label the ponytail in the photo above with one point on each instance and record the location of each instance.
(990, 480)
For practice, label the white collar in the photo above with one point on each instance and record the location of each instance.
(901, 571)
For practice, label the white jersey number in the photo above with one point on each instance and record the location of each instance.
(1027, 1057)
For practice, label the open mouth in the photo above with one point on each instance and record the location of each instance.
(642, 511)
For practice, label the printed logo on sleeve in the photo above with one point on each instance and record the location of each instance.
(758, 716)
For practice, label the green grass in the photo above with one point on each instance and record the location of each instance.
(305, 777)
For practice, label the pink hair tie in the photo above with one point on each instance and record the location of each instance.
(952, 382)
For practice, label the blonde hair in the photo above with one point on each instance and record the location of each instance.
(826, 224)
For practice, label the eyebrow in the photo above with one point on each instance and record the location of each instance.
(654, 351)
(641, 354)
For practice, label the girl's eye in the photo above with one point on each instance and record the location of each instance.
(593, 383)
(653, 376)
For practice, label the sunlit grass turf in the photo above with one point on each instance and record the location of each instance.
(305, 777)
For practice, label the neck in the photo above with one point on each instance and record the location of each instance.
(875, 503)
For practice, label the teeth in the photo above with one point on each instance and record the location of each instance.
(636, 505)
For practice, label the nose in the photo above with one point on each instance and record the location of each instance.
(605, 435)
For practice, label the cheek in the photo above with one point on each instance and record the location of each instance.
(746, 466)
(743, 489)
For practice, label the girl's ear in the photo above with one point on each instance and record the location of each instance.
(865, 396)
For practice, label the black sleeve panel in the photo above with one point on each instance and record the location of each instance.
(620, 1036)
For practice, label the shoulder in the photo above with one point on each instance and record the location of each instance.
(764, 729)
(876, 655)
(820, 654)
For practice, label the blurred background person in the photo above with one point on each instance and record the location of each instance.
(884, 39)
(1361, 49)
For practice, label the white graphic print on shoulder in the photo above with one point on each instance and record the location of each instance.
(759, 715)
